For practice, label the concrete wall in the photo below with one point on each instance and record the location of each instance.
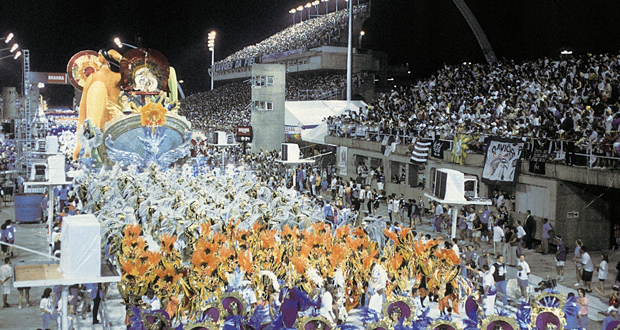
(592, 225)
(268, 126)
(313, 60)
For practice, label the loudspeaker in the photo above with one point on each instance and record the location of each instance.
(449, 185)
(284, 152)
(290, 152)
(219, 137)
(440, 184)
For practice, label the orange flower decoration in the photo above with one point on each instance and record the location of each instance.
(153, 114)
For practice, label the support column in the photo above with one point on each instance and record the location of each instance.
(455, 212)
(65, 307)
(50, 216)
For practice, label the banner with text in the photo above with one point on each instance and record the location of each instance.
(342, 160)
(502, 161)
(246, 62)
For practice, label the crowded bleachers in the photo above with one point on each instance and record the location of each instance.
(573, 101)
(319, 31)
(226, 106)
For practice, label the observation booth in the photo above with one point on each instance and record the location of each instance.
(80, 261)
(449, 187)
(47, 171)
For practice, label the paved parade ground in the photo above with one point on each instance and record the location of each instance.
(33, 236)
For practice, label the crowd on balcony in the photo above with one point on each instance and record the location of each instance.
(226, 106)
(573, 102)
(319, 31)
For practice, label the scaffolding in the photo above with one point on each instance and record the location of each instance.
(23, 125)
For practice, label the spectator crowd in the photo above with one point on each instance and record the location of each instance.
(319, 31)
(572, 103)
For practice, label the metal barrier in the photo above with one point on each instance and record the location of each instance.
(590, 156)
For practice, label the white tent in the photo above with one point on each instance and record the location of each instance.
(309, 117)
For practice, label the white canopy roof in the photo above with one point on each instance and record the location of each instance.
(311, 116)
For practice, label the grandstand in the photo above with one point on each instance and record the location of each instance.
(315, 45)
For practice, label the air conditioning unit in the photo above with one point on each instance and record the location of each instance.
(290, 152)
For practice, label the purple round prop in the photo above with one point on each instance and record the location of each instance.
(545, 318)
(503, 324)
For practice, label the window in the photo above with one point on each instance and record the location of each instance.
(398, 172)
(262, 81)
(360, 159)
(417, 178)
(263, 105)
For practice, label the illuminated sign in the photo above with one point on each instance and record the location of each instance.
(244, 134)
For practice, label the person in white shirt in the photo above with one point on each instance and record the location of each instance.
(390, 207)
(500, 199)
(588, 268)
(603, 271)
(489, 287)
(151, 300)
(520, 231)
(455, 247)
(47, 308)
(326, 308)
(523, 276)
(369, 200)
(396, 208)
(498, 236)
(248, 293)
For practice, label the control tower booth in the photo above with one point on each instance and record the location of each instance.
(268, 94)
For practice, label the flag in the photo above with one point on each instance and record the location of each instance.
(539, 157)
(438, 148)
(419, 154)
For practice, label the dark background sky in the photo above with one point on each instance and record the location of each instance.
(424, 33)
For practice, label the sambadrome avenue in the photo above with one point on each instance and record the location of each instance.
(330, 165)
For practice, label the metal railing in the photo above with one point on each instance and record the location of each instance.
(586, 151)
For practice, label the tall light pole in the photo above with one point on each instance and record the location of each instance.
(349, 51)
(326, 6)
(362, 33)
(308, 5)
(336, 5)
(293, 11)
(211, 45)
(316, 3)
(300, 9)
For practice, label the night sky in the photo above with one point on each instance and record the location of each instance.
(425, 34)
